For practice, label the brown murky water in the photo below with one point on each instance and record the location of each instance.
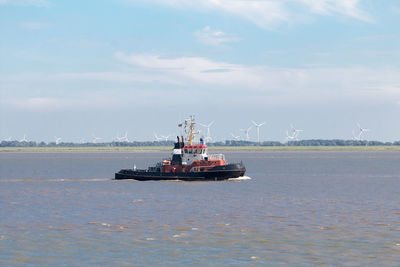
(300, 209)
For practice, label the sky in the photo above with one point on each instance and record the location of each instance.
(78, 69)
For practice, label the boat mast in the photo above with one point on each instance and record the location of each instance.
(192, 133)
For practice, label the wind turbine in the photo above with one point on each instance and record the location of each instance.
(208, 138)
(95, 139)
(124, 138)
(258, 129)
(158, 138)
(289, 137)
(246, 132)
(58, 140)
(117, 138)
(165, 137)
(235, 137)
(362, 130)
(295, 132)
(24, 139)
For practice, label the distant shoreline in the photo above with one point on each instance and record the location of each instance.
(212, 149)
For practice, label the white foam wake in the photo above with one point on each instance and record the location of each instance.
(240, 178)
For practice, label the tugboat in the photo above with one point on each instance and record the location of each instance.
(189, 162)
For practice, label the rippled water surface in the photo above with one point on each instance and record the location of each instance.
(297, 209)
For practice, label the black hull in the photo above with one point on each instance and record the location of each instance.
(215, 174)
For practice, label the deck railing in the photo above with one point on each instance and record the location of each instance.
(216, 156)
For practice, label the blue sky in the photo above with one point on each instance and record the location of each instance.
(74, 69)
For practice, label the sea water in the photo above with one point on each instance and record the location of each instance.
(291, 208)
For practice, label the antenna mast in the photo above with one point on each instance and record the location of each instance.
(192, 133)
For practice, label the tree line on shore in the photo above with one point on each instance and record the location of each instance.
(313, 142)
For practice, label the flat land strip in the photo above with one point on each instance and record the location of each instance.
(212, 149)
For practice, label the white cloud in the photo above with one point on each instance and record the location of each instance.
(264, 13)
(300, 82)
(36, 3)
(269, 14)
(213, 37)
(189, 64)
(206, 79)
(34, 25)
(344, 7)
(189, 69)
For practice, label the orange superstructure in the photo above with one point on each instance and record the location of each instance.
(191, 157)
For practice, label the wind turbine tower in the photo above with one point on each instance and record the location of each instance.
(258, 129)
(208, 126)
(24, 139)
(361, 131)
(289, 137)
(295, 133)
(246, 132)
(124, 138)
(158, 138)
(117, 138)
(235, 137)
(58, 140)
(165, 137)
